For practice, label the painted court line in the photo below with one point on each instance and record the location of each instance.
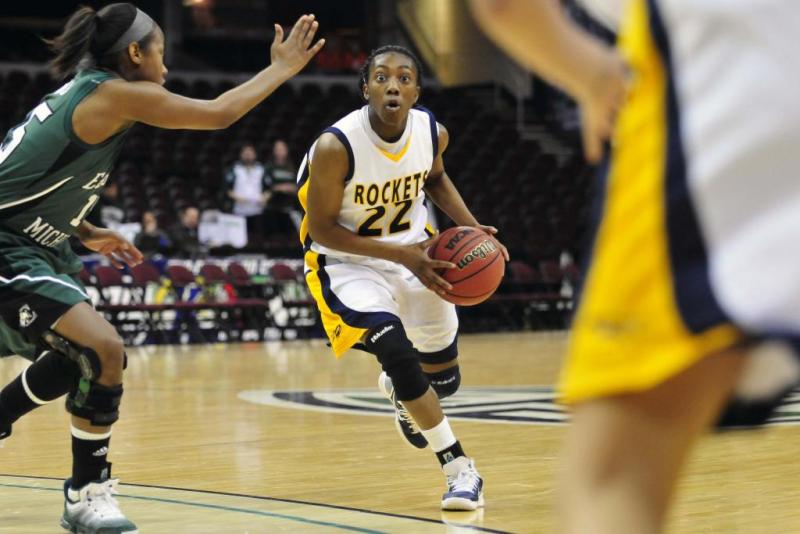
(260, 512)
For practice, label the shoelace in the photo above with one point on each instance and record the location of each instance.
(101, 500)
(403, 414)
(466, 480)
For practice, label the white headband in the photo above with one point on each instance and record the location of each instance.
(142, 26)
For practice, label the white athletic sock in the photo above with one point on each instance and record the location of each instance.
(441, 436)
(88, 436)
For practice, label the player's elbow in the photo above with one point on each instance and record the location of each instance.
(223, 115)
(227, 118)
(319, 230)
(316, 233)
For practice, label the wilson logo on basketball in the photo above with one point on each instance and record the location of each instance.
(481, 251)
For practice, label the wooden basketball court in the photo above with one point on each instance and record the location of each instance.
(281, 437)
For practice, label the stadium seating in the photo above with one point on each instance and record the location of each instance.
(537, 198)
(536, 192)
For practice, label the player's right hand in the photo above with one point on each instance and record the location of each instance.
(415, 258)
(294, 53)
(600, 101)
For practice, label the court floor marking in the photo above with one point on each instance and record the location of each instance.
(259, 512)
(221, 507)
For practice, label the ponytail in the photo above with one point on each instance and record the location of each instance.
(90, 38)
(74, 42)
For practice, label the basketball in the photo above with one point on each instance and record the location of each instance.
(479, 264)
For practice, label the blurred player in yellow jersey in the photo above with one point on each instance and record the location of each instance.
(689, 308)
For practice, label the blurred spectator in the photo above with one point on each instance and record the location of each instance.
(108, 212)
(282, 214)
(282, 170)
(184, 234)
(152, 239)
(248, 184)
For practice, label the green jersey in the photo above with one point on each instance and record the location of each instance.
(49, 178)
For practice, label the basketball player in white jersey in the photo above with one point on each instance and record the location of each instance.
(363, 186)
(692, 265)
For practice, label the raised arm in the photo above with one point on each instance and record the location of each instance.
(327, 172)
(152, 104)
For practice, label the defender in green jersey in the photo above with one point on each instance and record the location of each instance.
(52, 168)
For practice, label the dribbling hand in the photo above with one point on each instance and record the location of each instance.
(294, 53)
(415, 258)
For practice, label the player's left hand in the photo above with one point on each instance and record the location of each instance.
(114, 247)
(491, 230)
(294, 53)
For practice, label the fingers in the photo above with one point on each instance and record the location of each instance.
(490, 229)
(107, 249)
(428, 242)
(298, 25)
(592, 142)
(309, 35)
(278, 35)
(504, 250)
(439, 264)
(436, 283)
(130, 257)
(114, 261)
(136, 254)
(316, 48)
(304, 29)
(301, 30)
(122, 253)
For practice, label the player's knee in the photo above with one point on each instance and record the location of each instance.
(103, 362)
(396, 355)
(88, 398)
(110, 351)
(446, 381)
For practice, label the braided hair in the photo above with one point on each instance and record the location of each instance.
(363, 75)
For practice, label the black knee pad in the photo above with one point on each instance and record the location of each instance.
(446, 381)
(86, 358)
(52, 375)
(398, 359)
(95, 402)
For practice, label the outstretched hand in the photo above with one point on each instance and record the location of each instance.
(294, 53)
(114, 247)
(415, 258)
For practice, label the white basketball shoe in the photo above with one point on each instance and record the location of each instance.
(93, 509)
(464, 485)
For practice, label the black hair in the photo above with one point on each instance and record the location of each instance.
(363, 74)
(87, 36)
